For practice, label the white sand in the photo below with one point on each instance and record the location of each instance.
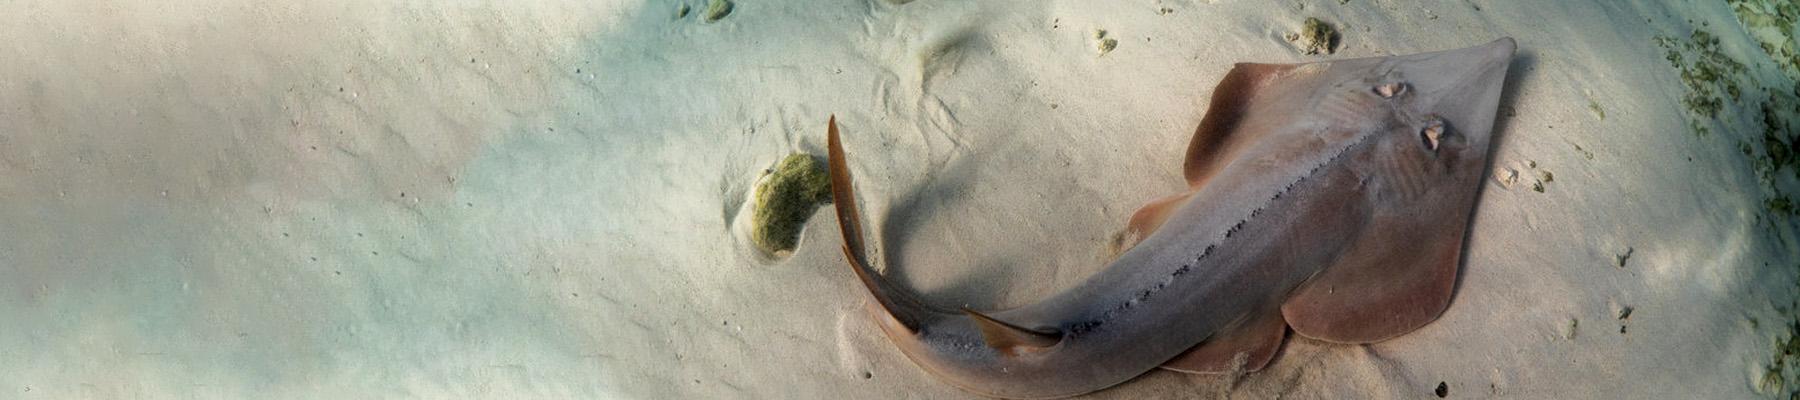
(449, 200)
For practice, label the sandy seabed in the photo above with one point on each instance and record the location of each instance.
(462, 199)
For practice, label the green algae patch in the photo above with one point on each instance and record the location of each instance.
(1777, 160)
(787, 196)
(1773, 24)
(1761, 112)
(716, 10)
(1709, 76)
(1315, 37)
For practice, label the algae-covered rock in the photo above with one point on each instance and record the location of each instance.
(787, 196)
(716, 9)
(1315, 37)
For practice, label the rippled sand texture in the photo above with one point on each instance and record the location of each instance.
(214, 199)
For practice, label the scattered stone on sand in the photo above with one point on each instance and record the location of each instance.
(1569, 330)
(786, 197)
(717, 9)
(1771, 381)
(1315, 37)
(1620, 312)
(1542, 178)
(1507, 177)
(1584, 152)
(1443, 390)
(1785, 355)
(1104, 44)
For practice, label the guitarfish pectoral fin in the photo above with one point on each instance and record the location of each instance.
(1396, 278)
(1219, 138)
(1006, 337)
